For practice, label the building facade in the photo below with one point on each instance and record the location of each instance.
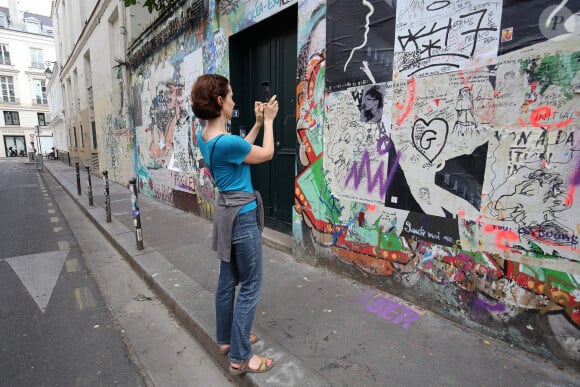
(26, 43)
(92, 40)
(427, 147)
(55, 104)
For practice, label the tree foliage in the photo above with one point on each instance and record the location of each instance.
(153, 5)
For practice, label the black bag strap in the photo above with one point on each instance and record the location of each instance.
(211, 156)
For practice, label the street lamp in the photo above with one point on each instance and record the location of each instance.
(48, 71)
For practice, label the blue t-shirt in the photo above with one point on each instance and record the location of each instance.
(229, 171)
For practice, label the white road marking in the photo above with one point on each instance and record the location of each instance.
(39, 273)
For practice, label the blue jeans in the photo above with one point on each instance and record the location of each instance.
(234, 318)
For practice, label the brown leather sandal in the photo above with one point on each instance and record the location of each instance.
(244, 367)
(254, 338)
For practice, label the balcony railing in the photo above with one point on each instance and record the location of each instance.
(39, 101)
(12, 101)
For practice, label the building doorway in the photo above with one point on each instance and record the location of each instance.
(266, 52)
(15, 146)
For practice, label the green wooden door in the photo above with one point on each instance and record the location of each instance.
(266, 52)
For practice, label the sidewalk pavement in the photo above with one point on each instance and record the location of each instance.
(322, 329)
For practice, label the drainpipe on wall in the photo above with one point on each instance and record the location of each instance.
(126, 75)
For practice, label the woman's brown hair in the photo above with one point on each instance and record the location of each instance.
(204, 95)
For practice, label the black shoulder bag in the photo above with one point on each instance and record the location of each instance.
(211, 157)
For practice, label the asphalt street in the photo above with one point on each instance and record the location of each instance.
(55, 328)
(72, 311)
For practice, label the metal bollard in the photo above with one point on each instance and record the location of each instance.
(107, 196)
(39, 162)
(90, 185)
(77, 167)
(136, 214)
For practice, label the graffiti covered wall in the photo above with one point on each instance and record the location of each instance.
(116, 141)
(438, 149)
(168, 162)
(453, 176)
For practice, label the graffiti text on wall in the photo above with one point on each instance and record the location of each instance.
(447, 36)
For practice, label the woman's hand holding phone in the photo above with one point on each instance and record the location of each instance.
(271, 109)
(259, 112)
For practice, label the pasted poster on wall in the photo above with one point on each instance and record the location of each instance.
(529, 201)
(526, 23)
(536, 89)
(360, 35)
(356, 153)
(440, 36)
(534, 167)
(163, 135)
(441, 129)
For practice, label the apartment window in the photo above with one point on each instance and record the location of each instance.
(32, 25)
(3, 21)
(75, 134)
(41, 119)
(11, 118)
(40, 92)
(82, 138)
(36, 59)
(94, 131)
(4, 54)
(7, 86)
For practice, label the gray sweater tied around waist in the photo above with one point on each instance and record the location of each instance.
(228, 205)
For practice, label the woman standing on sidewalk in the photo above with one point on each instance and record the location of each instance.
(238, 219)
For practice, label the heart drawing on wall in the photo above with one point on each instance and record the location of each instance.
(429, 138)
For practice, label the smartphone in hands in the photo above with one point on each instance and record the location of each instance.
(266, 91)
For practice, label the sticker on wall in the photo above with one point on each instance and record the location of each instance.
(431, 228)
(507, 34)
(370, 103)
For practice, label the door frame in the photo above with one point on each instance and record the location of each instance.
(278, 30)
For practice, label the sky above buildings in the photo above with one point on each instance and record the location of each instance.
(39, 7)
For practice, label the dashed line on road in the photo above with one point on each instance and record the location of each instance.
(84, 298)
(72, 265)
(63, 245)
(51, 211)
(57, 229)
(54, 219)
